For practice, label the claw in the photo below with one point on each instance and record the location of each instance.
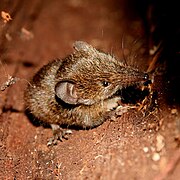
(58, 134)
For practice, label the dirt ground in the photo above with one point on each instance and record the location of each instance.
(131, 147)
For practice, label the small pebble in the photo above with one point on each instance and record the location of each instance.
(156, 157)
(145, 149)
(159, 142)
(174, 111)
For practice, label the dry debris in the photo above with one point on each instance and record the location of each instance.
(26, 35)
(11, 80)
(5, 16)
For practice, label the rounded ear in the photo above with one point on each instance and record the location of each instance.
(81, 46)
(66, 91)
(86, 48)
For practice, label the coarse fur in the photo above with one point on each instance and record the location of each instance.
(81, 89)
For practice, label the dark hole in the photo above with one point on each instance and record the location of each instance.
(133, 95)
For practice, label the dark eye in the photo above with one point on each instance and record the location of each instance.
(146, 76)
(105, 83)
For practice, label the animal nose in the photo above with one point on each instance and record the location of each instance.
(146, 76)
(147, 80)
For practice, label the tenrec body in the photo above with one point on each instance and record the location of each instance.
(81, 89)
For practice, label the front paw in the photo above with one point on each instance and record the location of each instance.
(58, 134)
(112, 103)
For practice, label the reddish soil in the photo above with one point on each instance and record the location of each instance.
(131, 147)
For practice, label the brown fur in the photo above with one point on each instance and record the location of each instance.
(92, 77)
